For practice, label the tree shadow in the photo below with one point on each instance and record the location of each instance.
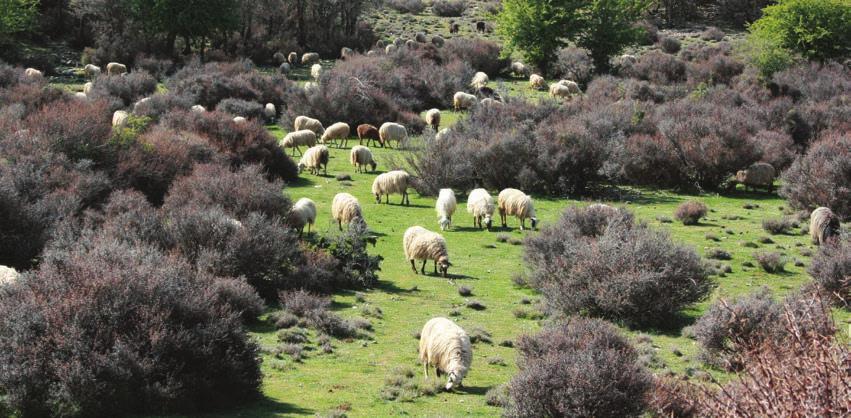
(301, 181)
(473, 390)
(390, 287)
(673, 327)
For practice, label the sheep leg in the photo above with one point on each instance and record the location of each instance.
(340, 224)
(387, 198)
(522, 223)
(413, 267)
(435, 267)
(308, 229)
(422, 269)
(425, 369)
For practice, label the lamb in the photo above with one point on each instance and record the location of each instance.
(489, 102)
(316, 71)
(311, 88)
(304, 122)
(757, 175)
(438, 41)
(313, 159)
(91, 70)
(516, 203)
(390, 49)
(360, 157)
(296, 139)
(422, 244)
(198, 109)
(269, 111)
(824, 225)
(302, 213)
(369, 133)
(463, 100)
(390, 131)
(292, 58)
(345, 209)
(33, 73)
(445, 208)
(519, 68)
(309, 58)
(454, 27)
(114, 68)
(447, 347)
(8, 275)
(432, 118)
(239, 120)
(80, 95)
(442, 134)
(537, 82)
(559, 91)
(87, 88)
(480, 204)
(119, 119)
(392, 182)
(339, 130)
(571, 86)
(479, 80)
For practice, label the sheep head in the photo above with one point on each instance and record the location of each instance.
(444, 264)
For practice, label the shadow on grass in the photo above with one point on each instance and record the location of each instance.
(273, 408)
(473, 390)
(390, 287)
(671, 328)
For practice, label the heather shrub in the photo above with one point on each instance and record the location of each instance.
(157, 67)
(407, 6)
(717, 69)
(582, 367)
(109, 328)
(771, 262)
(657, 67)
(158, 105)
(240, 296)
(208, 84)
(712, 33)
(80, 131)
(741, 12)
(690, 213)
(670, 45)
(354, 267)
(602, 264)
(449, 8)
(480, 54)
(127, 88)
(777, 226)
(671, 397)
(239, 107)
(831, 270)
(574, 64)
(776, 148)
(26, 98)
(821, 176)
(314, 311)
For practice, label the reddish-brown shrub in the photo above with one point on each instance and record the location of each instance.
(480, 54)
(776, 148)
(822, 176)
(126, 89)
(690, 213)
(831, 270)
(657, 67)
(80, 130)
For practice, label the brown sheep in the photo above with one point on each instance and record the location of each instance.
(369, 133)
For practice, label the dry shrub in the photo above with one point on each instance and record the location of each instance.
(691, 212)
(821, 176)
(831, 270)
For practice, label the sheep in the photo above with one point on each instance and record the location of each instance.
(432, 118)
(33, 73)
(369, 133)
(479, 80)
(537, 82)
(824, 225)
(480, 204)
(421, 37)
(316, 71)
(438, 41)
(392, 182)
(309, 58)
(80, 95)
(284, 68)
(371, 53)
(91, 70)
(571, 85)
(296, 139)
(463, 100)
(757, 175)
(314, 158)
(239, 120)
(380, 43)
(447, 347)
(346, 52)
(516, 203)
(292, 58)
(339, 130)
(302, 213)
(519, 68)
(140, 102)
(411, 44)
(360, 157)
(559, 91)
(87, 88)
(8, 275)
(390, 131)
(628, 59)
(304, 122)
(279, 57)
(345, 209)
(454, 27)
(445, 208)
(311, 88)
(119, 119)
(198, 109)
(489, 103)
(422, 244)
(604, 208)
(390, 49)
(481, 26)
(114, 68)
(442, 134)
(399, 42)
(269, 111)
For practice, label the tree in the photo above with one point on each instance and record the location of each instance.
(539, 28)
(17, 16)
(816, 29)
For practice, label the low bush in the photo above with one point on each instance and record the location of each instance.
(209, 84)
(449, 8)
(771, 262)
(480, 54)
(670, 45)
(691, 212)
(831, 270)
(712, 33)
(582, 367)
(817, 177)
(657, 67)
(777, 149)
(777, 226)
(81, 131)
(407, 6)
(574, 64)
(244, 108)
(125, 89)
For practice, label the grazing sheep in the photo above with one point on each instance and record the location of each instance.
(559, 91)
(339, 130)
(269, 111)
(292, 58)
(454, 27)
(303, 213)
(310, 58)
(239, 120)
(114, 68)
(119, 119)
(380, 43)
(304, 122)
(421, 37)
(390, 49)
(8, 275)
(80, 95)
(445, 208)
(628, 59)
(445, 345)
(519, 68)
(33, 73)
(489, 102)
(462, 101)
(198, 109)
(284, 68)
(140, 102)
(371, 53)
(513, 202)
(481, 26)
(537, 82)
(392, 182)
(438, 41)
(479, 80)
(571, 86)
(316, 71)
(369, 133)
(279, 57)
(422, 244)
(443, 133)
(432, 118)
(824, 225)
(346, 52)
(345, 209)
(87, 88)
(296, 139)
(313, 159)
(480, 204)
(91, 70)
(757, 175)
(311, 88)
(399, 42)
(390, 131)
(360, 157)
(411, 44)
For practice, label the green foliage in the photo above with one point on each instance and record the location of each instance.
(539, 28)
(127, 134)
(17, 15)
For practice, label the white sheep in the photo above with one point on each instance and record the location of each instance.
(87, 88)
(311, 88)
(304, 122)
(463, 101)
(239, 120)
(392, 182)
(824, 225)
(371, 53)
(445, 208)
(757, 175)
(91, 70)
(488, 103)
(479, 80)
(80, 95)
(198, 109)
(309, 58)
(390, 131)
(513, 202)
(284, 68)
(140, 102)
(519, 68)
(292, 58)
(119, 119)
(360, 157)
(445, 345)
(314, 158)
(559, 91)
(8, 275)
(339, 130)
(571, 85)
(390, 49)
(480, 204)
(345, 209)
(302, 213)
(269, 111)
(114, 68)
(442, 134)
(537, 82)
(432, 118)
(33, 73)
(316, 71)
(422, 244)
(296, 139)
